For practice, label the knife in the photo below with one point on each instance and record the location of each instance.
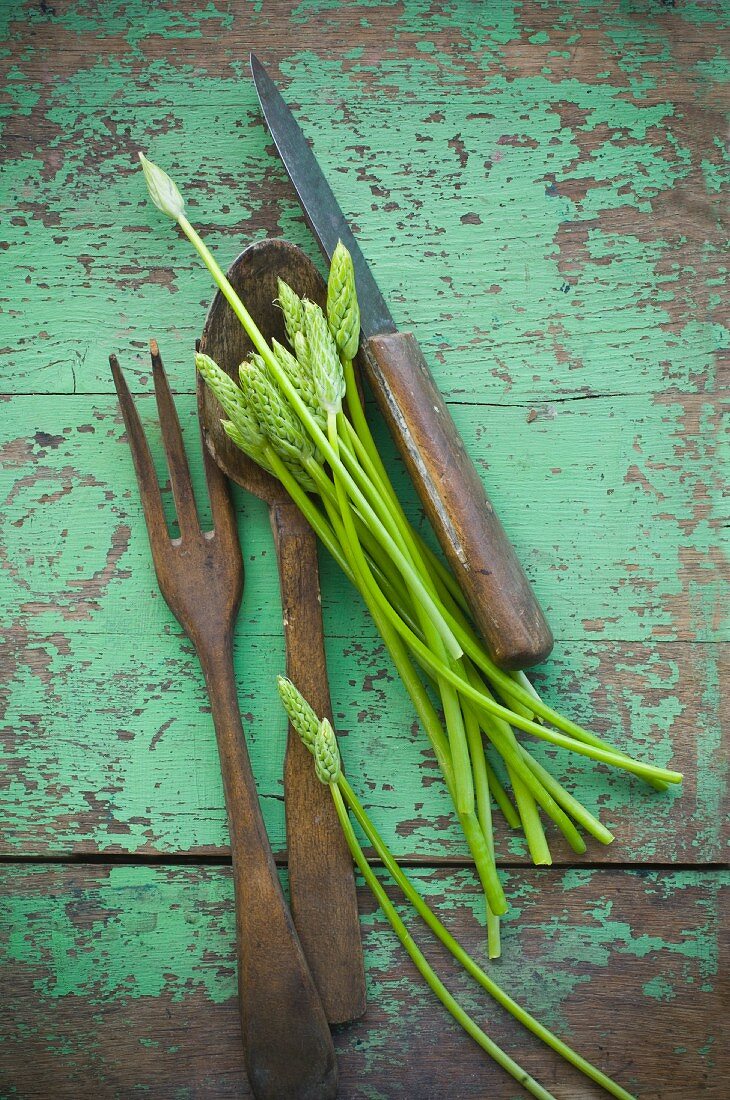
(484, 562)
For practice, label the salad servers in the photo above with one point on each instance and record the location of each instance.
(321, 881)
(287, 1043)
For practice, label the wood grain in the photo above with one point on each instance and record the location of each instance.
(122, 980)
(504, 607)
(318, 860)
(541, 191)
(117, 754)
(287, 1046)
(614, 506)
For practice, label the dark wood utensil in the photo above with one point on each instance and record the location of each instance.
(484, 562)
(287, 1043)
(321, 882)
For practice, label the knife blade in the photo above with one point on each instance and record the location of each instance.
(324, 217)
(484, 562)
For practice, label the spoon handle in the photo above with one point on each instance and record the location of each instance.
(287, 1044)
(321, 880)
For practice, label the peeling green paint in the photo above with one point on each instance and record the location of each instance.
(113, 937)
(550, 228)
(97, 728)
(468, 205)
(492, 306)
(659, 988)
(125, 939)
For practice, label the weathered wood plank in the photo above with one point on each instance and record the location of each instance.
(539, 189)
(547, 231)
(102, 722)
(635, 39)
(121, 981)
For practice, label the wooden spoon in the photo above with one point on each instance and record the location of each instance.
(321, 881)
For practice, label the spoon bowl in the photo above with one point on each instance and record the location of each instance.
(253, 275)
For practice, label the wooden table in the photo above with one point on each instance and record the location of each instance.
(539, 192)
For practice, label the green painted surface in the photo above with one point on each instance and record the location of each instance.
(105, 711)
(480, 190)
(621, 541)
(540, 190)
(139, 932)
(113, 753)
(523, 224)
(115, 940)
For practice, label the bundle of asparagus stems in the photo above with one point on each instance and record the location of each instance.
(319, 738)
(297, 412)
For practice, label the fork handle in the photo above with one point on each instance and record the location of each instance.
(287, 1043)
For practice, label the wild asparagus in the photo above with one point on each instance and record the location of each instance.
(288, 414)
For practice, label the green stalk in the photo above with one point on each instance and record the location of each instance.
(387, 502)
(527, 789)
(327, 535)
(528, 786)
(445, 581)
(585, 747)
(570, 804)
(500, 796)
(484, 816)
(523, 780)
(519, 708)
(311, 513)
(536, 837)
(452, 711)
(333, 537)
(478, 844)
(492, 707)
(426, 913)
(352, 547)
(531, 823)
(531, 702)
(379, 494)
(515, 687)
(319, 437)
(362, 440)
(329, 539)
(483, 856)
(519, 677)
(424, 968)
(361, 428)
(417, 693)
(440, 622)
(524, 783)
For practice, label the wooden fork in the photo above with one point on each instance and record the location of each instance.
(287, 1044)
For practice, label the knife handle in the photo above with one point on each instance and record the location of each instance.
(484, 562)
(321, 876)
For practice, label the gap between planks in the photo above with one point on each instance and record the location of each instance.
(183, 859)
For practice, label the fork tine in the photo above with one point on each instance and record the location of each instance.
(149, 490)
(221, 506)
(177, 462)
